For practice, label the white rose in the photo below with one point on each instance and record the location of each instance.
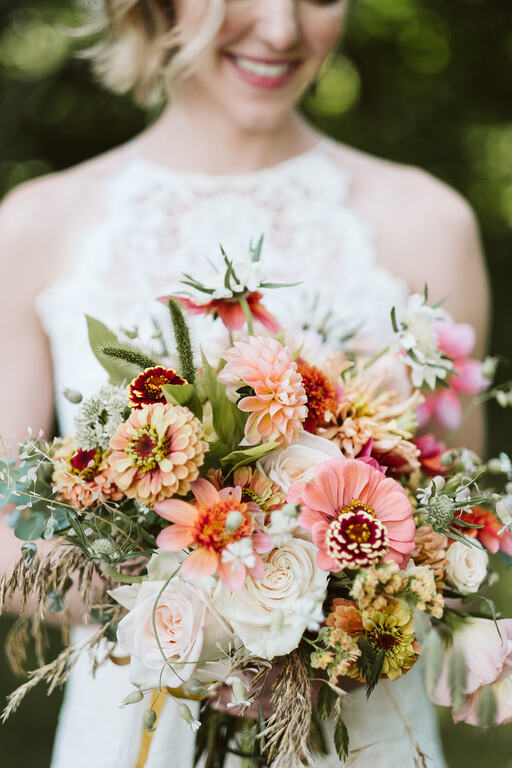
(188, 628)
(467, 566)
(271, 614)
(296, 463)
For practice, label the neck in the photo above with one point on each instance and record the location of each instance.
(206, 142)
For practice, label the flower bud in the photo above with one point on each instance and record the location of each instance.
(504, 512)
(448, 458)
(233, 521)
(489, 366)
(73, 396)
(194, 687)
(239, 690)
(453, 483)
(149, 720)
(133, 698)
(185, 713)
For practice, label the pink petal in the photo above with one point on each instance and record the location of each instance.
(231, 314)
(201, 562)
(455, 339)
(318, 533)
(296, 493)
(175, 537)
(205, 493)
(425, 411)
(262, 543)
(448, 410)
(176, 511)
(469, 378)
(258, 569)
(308, 518)
(325, 492)
(232, 575)
(489, 540)
(326, 563)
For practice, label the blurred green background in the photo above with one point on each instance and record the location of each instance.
(425, 82)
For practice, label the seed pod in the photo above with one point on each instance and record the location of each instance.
(73, 396)
(149, 720)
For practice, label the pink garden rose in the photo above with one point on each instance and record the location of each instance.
(489, 662)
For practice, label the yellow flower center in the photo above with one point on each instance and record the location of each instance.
(211, 527)
(153, 385)
(145, 449)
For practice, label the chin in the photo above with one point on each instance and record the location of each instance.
(260, 118)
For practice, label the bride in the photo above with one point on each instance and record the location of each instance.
(228, 159)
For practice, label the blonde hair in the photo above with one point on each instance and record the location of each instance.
(142, 48)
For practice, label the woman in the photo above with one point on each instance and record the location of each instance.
(230, 158)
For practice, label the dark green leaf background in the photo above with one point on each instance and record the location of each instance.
(426, 82)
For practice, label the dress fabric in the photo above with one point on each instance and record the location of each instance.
(156, 224)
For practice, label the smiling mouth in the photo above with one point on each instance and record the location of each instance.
(263, 72)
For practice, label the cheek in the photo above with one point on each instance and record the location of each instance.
(321, 29)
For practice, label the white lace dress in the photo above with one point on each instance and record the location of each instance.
(158, 223)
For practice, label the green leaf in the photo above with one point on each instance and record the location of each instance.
(370, 663)
(432, 656)
(487, 707)
(184, 394)
(228, 420)
(325, 701)
(341, 740)
(246, 456)
(457, 677)
(100, 337)
(31, 527)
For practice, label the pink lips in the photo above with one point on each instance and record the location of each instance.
(264, 81)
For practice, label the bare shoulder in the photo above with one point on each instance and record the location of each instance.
(426, 231)
(38, 218)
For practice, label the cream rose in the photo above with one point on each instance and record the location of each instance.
(188, 628)
(296, 463)
(466, 567)
(271, 614)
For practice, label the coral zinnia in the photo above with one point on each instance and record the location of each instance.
(278, 406)
(322, 403)
(82, 478)
(225, 531)
(146, 388)
(356, 515)
(157, 452)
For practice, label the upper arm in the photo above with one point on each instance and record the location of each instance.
(438, 243)
(26, 391)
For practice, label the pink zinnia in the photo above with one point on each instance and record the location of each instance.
(278, 406)
(357, 516)
(224, 531)
(456, 340)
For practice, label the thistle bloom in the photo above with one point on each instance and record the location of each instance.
(278, 406)
(82, 478)
(157, 452)
(207, 526)
(357, 516)
(456, 341)
(146, 388)
(230, 311)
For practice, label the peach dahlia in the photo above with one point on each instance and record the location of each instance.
(157, 452)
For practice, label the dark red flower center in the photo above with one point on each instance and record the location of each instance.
(356, 539)
(147, 387)
(85, 463)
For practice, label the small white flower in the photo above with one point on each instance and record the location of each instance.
(308, 610)
(239, 693)
(282, 527)
(185, 713)
(435, 486)
(501, 465)
(504, 512)
(239, 553)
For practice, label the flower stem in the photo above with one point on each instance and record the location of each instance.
(123, 577)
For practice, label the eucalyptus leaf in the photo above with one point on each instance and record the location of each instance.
(31, 527)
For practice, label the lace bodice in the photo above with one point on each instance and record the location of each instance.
(158, 223)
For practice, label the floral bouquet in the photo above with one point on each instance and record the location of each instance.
(252, 532)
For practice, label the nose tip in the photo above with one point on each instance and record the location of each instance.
(280, 24)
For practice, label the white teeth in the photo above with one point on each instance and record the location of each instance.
(264, 70)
